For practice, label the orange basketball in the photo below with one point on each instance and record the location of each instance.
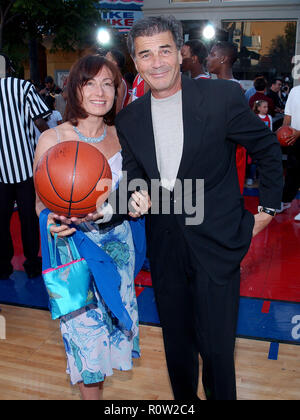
(71, 177)
(283, 134)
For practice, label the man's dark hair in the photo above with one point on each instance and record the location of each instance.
(274, 80)
(260, 84)
(49, 79)
(155, 25)
(229, 49)
(198, 49)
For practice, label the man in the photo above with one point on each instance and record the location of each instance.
(292, 178)
(194, 54)
(220, 61)
(273, 93)
(61, 102)
(50, 87)
(260, 85)
(251, 91)
(181, 132)
(20, 108)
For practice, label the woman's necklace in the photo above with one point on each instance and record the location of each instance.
(90, 139)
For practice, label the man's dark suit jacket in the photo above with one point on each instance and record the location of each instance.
(216, 117)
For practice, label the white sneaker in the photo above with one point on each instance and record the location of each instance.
(284, 206)
(297, 218)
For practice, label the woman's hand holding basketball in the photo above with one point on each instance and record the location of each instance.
(63, 228)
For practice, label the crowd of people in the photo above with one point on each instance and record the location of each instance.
(165, 128)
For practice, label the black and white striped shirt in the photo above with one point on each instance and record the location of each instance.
(20, 105)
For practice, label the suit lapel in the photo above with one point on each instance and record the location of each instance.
(193, 123)
(147, 139)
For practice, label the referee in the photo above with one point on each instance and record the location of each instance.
(20, 108)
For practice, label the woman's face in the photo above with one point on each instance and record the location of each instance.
(98, 93)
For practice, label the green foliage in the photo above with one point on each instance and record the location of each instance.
(69, 24)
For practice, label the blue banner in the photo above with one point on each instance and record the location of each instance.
(121, 4)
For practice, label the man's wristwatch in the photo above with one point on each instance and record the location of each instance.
(271, 212)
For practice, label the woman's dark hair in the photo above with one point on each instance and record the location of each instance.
(118, 57)
(85, 69)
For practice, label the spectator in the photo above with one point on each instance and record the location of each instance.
(292, 179)
(61, 102)
(123, 96)
(194, 54)
(260, 87)
(55, 117)
(273, 93)
(285, 90)
(221, 58)
(139, 88)
(20, 109)
(261, 110)
(251, 91)
(50, 87)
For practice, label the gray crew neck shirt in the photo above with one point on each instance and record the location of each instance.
(168, 135)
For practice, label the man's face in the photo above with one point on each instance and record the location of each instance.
(187, 59)
(277, 86)
(158, 62)
(214, 59)
(49, 85)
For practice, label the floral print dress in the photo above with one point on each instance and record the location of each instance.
(95, 343)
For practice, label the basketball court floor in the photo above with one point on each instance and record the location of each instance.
(32, 362)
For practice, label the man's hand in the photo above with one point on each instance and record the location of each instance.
(261, 222)
(141, 203)
(293, 138)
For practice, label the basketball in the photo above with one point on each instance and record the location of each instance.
(283, 133)
(71, 177)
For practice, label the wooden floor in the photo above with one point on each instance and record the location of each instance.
(32, 365)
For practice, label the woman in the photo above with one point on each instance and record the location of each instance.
(94, 343)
